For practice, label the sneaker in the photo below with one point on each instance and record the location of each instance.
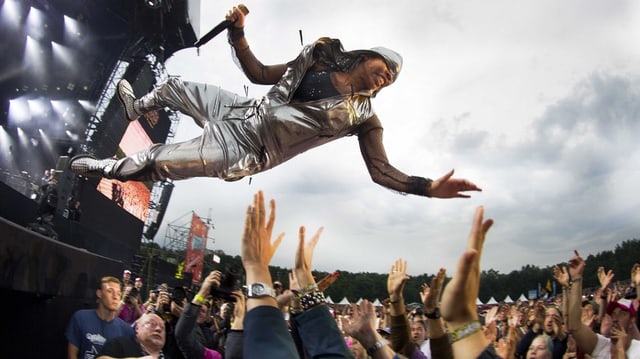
(89, 166)
(127, 98)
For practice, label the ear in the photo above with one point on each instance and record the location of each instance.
(99, 293)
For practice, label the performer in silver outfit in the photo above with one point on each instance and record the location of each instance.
(322, 95)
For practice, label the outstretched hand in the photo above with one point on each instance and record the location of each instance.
(257, 248)
(459, 297)
(304, 258)
(447, 187)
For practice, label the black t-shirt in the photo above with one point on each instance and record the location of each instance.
(123, 347)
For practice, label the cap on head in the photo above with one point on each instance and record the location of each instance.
(126, 271)
(624, 304)
(138, 279)
(391, 58)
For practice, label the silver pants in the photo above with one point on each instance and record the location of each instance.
(224, 150)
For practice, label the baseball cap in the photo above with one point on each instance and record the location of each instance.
(624, 304)
(126, 271)
(138, 279)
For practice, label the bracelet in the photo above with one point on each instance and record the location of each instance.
(199, 299)
(377, 346)
(311, 300)
(574, 281)
(465, 331)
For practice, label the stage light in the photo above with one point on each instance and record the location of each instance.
(34, 56)
(72, 135)
(87, 106)
(153, 4)
(72, 28)
(64, 55)
(36, 26)
(11, 13)
(18, 111)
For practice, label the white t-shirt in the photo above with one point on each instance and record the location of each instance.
(425, 348)
(603, 349)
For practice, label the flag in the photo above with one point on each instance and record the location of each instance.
(216, 258)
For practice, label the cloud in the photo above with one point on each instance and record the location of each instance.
(543, 116)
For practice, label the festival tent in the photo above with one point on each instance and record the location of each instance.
(492, 300)
(359, 301)
(328, 300)
(523, 298)
(479, 302)
(376, 303)
(344, 301)
(508, 299)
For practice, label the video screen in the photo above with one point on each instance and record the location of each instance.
(133, 196)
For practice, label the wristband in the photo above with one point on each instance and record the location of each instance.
(574, 281)
(377, 346)
(465, 331)
(302, 303)
(199, 299)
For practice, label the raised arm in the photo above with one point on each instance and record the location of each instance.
(459, 297)
(585, 338)
(255, 71)
(384, 174)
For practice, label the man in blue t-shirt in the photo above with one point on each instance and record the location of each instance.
(89, 329)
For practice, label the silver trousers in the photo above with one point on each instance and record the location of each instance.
(224, 149)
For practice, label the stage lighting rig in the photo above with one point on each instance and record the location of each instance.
(153, 4)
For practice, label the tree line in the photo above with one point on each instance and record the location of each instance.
(494, 284)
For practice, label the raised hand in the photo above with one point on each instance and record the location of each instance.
(576, 266)
(447, 187)
(605, 278)
(304, 259)
(397, 278)
(459, 297)
(431, 295)
(561, 275)
(257, 248)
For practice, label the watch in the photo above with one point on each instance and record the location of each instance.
(260, 290)
(433, 315)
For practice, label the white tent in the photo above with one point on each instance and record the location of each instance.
(329, 300)
(492, 300)
(478, 301)
(359, 301)
(508, 299)
(344, 301)
(376, 303)
(523, 298)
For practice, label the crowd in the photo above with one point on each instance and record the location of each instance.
(322, 95)
(264, 319)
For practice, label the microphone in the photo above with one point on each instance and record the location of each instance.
(225, 24)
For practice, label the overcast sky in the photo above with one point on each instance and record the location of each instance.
(536, 102)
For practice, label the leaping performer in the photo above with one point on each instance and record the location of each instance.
(322, 95)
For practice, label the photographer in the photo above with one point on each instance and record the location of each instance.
(131, 308)
(185, 333)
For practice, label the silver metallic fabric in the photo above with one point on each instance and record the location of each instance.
(243, 136)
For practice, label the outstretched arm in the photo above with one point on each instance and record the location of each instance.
(254, 69)
(384, 174)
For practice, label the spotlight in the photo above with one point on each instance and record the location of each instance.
(153, 4)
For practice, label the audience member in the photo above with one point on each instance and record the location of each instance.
(131, 307)
(439, 346)
(623, 317)
(265, 331)
(541, 348)
(147, 343)
(186, 329)
(362, 327)
(126, 278)
(458, 304)
(89, 329)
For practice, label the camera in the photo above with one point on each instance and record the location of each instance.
(230, 281)
(132, 293)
